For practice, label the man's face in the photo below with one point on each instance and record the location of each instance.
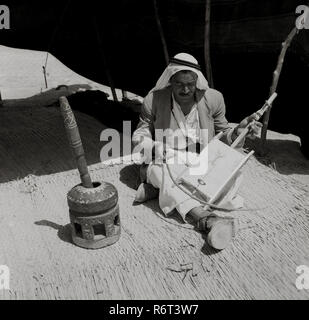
(184, 86)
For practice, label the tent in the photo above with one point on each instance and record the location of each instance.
(120, 41)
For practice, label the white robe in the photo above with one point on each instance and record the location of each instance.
(170, 196)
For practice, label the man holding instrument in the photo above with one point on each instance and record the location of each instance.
(189, 112)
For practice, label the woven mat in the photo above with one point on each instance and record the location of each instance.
(35, 238)
(36, 244)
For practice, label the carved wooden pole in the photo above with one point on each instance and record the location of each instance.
(207, 45)
(75, 141)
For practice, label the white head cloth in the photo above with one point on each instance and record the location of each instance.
(173, 68)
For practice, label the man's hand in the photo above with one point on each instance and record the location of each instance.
(158, 152)
(254, 127)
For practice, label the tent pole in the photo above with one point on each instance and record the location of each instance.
(165, 51)
(207, 44)
(45, 78)
(105, 64)
(276, 75)
(274, 84)
(124, 94)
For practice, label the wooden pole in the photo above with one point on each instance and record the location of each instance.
(75, 141)
(275, 80)
(45, 78)
(105, 64)
(231, 176)
(258, 115)
(124, 94)
(165, 51)
(207, 44)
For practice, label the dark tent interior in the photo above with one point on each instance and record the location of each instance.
(121, 37)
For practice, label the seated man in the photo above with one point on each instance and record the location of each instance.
(183, 105)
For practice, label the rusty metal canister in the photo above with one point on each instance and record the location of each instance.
(94, 215)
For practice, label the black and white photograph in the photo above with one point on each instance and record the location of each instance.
(154, 154)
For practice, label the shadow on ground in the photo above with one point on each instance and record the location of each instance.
(33, 139)
(284, 156)
(63, 232)
(129, 175)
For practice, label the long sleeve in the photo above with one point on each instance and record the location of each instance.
(220, 122)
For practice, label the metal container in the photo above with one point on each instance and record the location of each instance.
(94, 215)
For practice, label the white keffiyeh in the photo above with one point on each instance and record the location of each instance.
(172, 68)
